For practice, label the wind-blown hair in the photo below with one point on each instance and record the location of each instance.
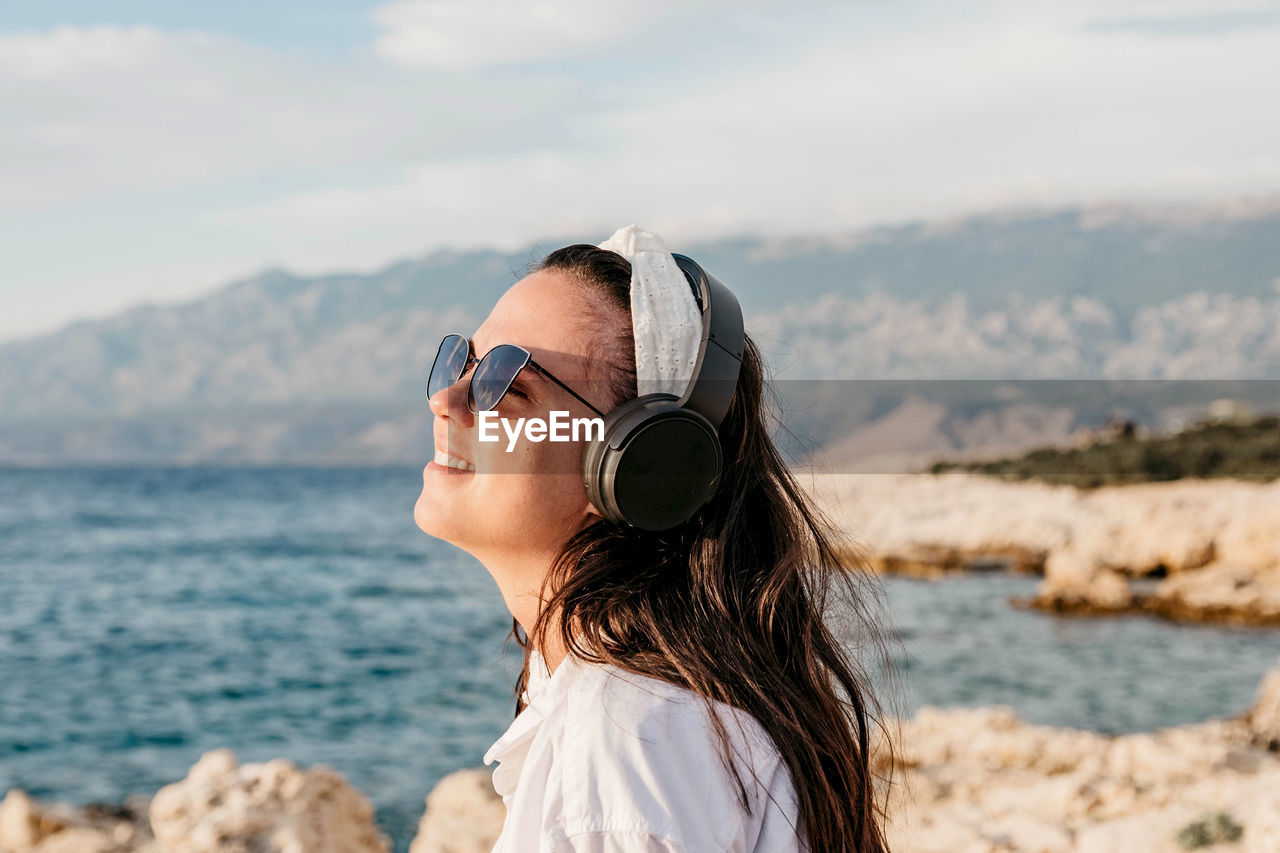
(736, 604)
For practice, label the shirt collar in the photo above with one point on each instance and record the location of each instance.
(542, 693)
(539, 676)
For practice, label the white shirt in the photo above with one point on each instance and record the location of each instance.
(605, 761)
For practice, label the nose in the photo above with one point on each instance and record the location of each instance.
(451, 403)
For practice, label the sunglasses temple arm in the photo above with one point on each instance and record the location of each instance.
(547, 374)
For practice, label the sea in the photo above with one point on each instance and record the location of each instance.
(148, 615)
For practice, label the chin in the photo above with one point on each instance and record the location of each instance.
(426, 516)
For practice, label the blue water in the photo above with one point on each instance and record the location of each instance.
(148, 615)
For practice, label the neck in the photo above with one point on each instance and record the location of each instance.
(553, 652)
(519, 581)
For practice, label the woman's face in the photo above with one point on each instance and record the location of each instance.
(523, 503)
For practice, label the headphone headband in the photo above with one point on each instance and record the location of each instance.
(660, 458)
(715, 376)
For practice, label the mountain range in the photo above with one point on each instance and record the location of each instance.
(292, 369)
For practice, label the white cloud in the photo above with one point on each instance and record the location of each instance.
(1194, 18)
(119, 142)
(110, 110)
(133, 155)
(456, 34)
(114, 109)
(858, 130)
(67, 51)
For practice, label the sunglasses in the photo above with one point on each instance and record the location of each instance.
(493, 375)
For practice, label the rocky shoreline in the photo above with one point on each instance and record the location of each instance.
(982, 780)
(964, 779)
(1208, 549)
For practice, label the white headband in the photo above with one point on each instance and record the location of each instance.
(664, 315)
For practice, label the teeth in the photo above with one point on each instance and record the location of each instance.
(448, 461)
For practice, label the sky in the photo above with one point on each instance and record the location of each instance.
(154, 151)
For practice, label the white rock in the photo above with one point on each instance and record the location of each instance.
(268, 806)
(1264, 717)
(464, 815)
(1217, 540)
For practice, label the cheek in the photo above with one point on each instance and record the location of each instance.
(544, 481)
(530, 497)
(524, 457)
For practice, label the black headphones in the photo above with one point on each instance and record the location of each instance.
(660, 458)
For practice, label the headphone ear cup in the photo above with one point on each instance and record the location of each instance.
(593, 458)
(657, 465)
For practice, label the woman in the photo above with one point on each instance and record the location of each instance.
(681, 689)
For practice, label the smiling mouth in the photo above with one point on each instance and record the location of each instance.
(446, 461)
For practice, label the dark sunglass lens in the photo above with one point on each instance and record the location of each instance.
(449, 363)
(494, 375)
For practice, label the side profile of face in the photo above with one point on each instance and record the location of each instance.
(516, 508)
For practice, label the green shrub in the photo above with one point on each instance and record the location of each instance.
(1249, 451)
(1212, 829)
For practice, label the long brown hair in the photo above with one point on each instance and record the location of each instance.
(736, 604)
